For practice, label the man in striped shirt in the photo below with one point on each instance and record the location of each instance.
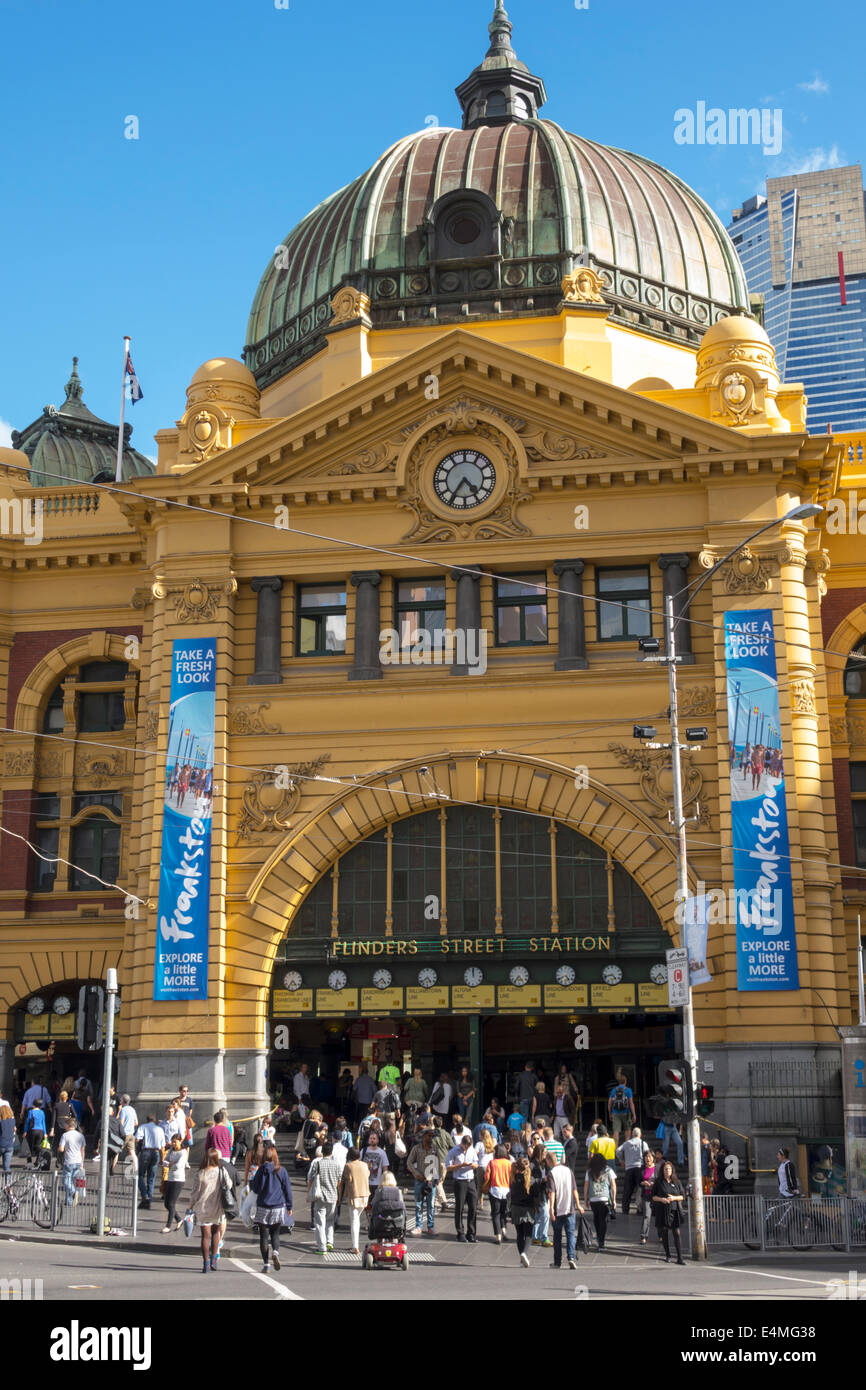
(553, 1146)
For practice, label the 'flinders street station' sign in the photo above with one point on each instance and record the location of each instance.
(469, 945)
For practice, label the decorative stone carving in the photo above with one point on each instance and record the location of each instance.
(656, 780)
(150, 725)
(820, 562)
(856, 730)
(582, 286)
(379, 458)
(736, 365)
(549, 446)
(838, 731)
(349, 305)
(502, 521)
(250, 719)
(803, 695)
(266, 808)
(196, 602)
(746, 573)
(98, 769)
(142, 598)
(50, 764)
(19, 763)
(696, 700)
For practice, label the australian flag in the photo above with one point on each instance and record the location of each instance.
(135, 391)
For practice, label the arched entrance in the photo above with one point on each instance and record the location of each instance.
(480, 935)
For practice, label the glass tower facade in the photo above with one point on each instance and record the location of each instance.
(803, 248)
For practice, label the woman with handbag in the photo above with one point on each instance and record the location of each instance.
(273, 1204)
(668, 1199)
(207, 1205)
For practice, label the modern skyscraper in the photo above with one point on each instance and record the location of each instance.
(803, 247)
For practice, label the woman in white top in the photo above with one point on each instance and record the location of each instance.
(177, 1159)
(484, 1152)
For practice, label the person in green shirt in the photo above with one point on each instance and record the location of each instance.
(389, 1075)
(415, 1092)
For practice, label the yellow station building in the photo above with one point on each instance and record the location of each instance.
(504, 383)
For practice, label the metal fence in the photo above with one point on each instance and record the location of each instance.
(44, 1200)
(804, 1098)
(780, 1223)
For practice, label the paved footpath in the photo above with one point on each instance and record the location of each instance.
(72, 1266)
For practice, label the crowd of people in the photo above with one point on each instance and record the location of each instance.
(404, 1147)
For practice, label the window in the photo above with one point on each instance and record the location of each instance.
(420, 608)
(496, 104)
(53, 721)
(94, 847)
(101, 711)
(113, 800)
(322, 620)
(855, 673)
(624, 607)
(521, 610)
(46, 840)
(858, 811)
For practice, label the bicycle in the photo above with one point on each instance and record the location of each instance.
(787, 1223)
(28, 1200)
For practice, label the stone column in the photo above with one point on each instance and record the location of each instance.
(367, 666)
(468, 615)
(269, 618)
(572, 630)
(675, 569)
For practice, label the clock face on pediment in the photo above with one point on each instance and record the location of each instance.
(464, 479)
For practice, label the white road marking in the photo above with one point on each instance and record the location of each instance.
(266, 1279)
(759, 1274)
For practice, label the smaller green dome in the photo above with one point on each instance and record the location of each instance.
(72, 445)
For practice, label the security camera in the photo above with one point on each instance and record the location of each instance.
(424, 771)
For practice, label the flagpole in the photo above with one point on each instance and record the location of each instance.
(861, 990)
(118, 472)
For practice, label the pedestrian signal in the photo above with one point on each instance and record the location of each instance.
(705, 1103)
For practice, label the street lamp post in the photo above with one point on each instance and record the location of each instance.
(690, 1050)
(111, 999)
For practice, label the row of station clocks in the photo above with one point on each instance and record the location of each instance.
(473, 976)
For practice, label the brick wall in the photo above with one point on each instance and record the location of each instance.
(836, 605)
(29, 648)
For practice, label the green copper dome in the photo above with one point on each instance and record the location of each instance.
(71, 444)
(484, 222)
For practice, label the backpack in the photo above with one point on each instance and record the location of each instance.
(619, 1101)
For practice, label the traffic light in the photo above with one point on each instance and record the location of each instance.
(675, 1090)
(705, 1103)
(91, 1001)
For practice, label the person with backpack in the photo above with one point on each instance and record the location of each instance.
(620, 1108)
(631, 1153)
(524, 1198)
(599, 1190)
(35, 1131)
(441, 1145)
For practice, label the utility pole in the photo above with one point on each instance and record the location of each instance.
(111, 993)
(690, 1049)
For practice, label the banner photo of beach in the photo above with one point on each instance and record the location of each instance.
(766, 940)
(183, 918)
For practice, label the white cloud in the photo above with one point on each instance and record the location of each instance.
(5, 434)
(817, 85)
(811, 161)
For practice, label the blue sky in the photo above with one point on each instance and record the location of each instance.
(249, 115)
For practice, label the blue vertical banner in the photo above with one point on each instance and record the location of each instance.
(766, 939)
(180, 968)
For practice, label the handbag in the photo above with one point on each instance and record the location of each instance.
(399, 1147)
(227, 1194)
(248, 1208)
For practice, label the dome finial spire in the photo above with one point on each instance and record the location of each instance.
(499, 30)
(74, 389)
(501, 88)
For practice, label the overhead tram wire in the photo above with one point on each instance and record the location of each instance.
(426, 562)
